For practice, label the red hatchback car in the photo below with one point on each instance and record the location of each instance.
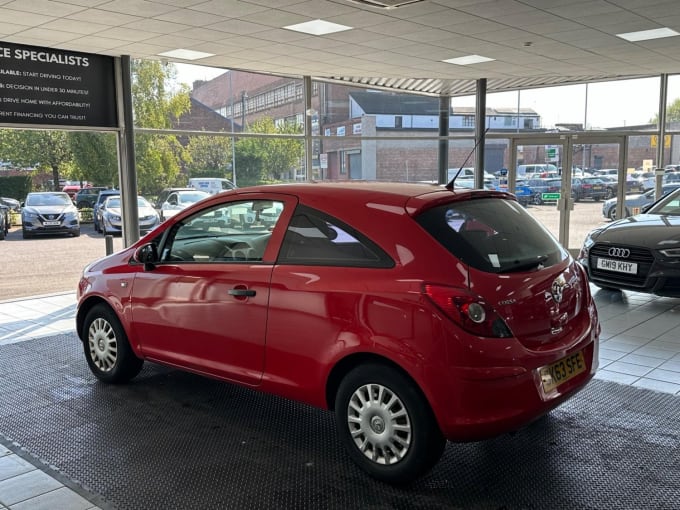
(418, 314)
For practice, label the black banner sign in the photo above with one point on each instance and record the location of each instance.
(56, 87)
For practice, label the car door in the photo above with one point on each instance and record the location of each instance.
(204, 307)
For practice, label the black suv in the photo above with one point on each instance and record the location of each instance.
(86, 197)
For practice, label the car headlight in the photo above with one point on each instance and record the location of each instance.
(71, 215)
(113, 217)
(29, 216)
(670, 252)
(588, 243)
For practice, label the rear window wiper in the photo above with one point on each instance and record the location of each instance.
(523, 265)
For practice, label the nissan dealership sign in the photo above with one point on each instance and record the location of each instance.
(56, 87)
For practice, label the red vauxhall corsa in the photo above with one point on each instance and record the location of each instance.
(418, 314)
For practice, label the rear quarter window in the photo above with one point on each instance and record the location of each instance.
(317, 239)
(493, 235)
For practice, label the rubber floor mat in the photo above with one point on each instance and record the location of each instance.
(173, 440)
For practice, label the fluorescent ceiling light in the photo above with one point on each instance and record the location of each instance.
(468, 59)
(318, 27)
(185, 54)
(645, 35)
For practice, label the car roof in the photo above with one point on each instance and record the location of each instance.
(334, 196)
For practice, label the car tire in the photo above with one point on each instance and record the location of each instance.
(609, 194)
(2, 233)
(536, 199)
(612, 213)
(386, 424)
(107, 349)
(76, 233)
(25, 234)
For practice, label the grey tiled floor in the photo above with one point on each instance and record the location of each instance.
(639, 346)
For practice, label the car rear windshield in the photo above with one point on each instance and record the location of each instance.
(493, 235)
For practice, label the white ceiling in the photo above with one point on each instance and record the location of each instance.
(533, 42)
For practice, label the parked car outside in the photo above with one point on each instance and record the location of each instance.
(646, 179)
(163, 196)
(111, 216)
(638, 253)
(468, 174)
(583, 188)
(179, 200)
(536, 169)
(211, 185)
(612, 185)
(101, 197)
(49, 212)
(86, 197)
(11, 203)
(71, 190)
(636, 202)
(345, 299)
(541, 186)
(4, 221)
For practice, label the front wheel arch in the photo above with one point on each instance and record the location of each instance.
(107, 347)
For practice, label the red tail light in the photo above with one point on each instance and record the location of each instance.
(468, 311)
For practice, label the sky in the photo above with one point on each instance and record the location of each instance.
(613, 104)
(188, 73)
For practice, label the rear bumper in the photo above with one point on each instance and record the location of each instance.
(486, 402)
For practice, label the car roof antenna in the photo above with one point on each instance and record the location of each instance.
(449, 186)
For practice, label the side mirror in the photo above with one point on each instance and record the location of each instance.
(146, 254)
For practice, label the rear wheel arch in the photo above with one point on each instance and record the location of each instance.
(349, 363)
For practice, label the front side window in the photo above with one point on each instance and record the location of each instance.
(492, 235)
(314, 238)
(232, 232)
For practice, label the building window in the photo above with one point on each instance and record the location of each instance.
(469, 121)
(397, 121)
(508, 121)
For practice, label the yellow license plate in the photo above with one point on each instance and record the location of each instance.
(563, 370)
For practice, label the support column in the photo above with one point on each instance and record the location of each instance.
(127, 170)
(480, 130)
(309, 146)
(663, 93)
(444, 115)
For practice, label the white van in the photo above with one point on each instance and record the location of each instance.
(537, 170)
(211, 185)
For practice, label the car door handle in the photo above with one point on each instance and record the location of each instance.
(242, 292)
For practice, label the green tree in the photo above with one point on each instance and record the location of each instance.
(95, 156)
(50, 149)
(268, 158)
(211, 156)
(672, 113)
(156, 105)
